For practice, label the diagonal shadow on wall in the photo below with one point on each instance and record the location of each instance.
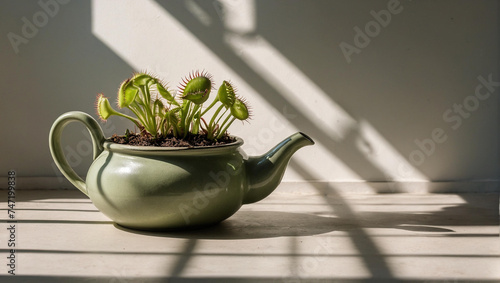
(213, 37)
(67, 67)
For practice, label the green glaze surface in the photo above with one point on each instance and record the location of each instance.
(159, 188)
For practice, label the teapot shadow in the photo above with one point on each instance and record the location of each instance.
(253, 225)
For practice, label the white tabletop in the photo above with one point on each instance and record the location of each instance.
(61, 236)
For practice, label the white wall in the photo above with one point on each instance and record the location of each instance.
(367, 100)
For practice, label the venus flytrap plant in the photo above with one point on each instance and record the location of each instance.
(105, 110)
(135, 94)
(196, 90)
(164, 115)
(240, 111)
(233, 106)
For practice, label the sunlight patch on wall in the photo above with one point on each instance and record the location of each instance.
(146, 36)
(297, 88)
(238, 15)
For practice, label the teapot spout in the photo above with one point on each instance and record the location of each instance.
(266, 171)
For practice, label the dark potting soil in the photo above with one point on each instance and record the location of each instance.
(169, 141)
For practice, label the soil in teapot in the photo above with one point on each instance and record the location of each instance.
(169, 141)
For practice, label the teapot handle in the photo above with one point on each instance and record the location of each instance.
(56, 149)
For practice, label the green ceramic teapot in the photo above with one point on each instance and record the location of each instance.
(162, 188)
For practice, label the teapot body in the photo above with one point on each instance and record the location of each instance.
(165, 188)
(151, 189)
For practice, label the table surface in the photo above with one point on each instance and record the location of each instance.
(61, 236)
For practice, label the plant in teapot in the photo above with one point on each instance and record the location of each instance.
(163, 187)
(160, 114)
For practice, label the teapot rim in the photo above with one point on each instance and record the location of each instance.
(112, 146)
